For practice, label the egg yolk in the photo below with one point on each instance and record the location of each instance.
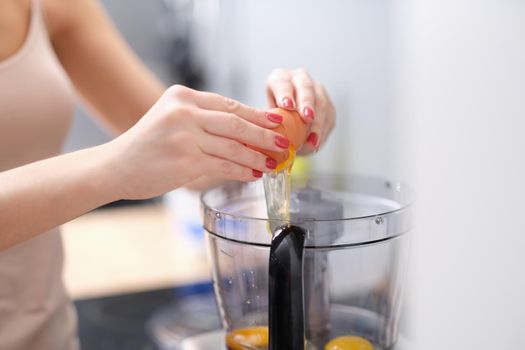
(295, 130)
(253, 337)
(287, 164)
(349, 343)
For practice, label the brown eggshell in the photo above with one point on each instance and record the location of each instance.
(292, 127)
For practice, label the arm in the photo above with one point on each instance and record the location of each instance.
(110, 78)
(37, 197)
(120, 88)
(186, 135)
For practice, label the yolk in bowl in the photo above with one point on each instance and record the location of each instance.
(248, 338)
(349, 342)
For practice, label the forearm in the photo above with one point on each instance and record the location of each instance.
(42, 195)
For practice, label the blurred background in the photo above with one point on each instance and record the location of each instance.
(230, 47)
(431, 93)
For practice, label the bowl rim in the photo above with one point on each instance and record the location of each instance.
(397, 185)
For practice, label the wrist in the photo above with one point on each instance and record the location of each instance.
(103, 176)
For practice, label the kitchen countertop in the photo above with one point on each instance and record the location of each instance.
(129, 249)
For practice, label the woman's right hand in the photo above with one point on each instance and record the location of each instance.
(188, 134)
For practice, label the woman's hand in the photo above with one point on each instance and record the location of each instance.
(188, 134)
(296, 90)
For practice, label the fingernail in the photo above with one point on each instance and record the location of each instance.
(312, 139)
(271, 163)
(273, 117)
(288, 103)
(282, 141)
(308, 113)
(256, 173)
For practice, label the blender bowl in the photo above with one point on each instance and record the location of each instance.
(353, 262)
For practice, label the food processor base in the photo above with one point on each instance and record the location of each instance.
(209, 341)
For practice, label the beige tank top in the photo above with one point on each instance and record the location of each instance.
(36, 106)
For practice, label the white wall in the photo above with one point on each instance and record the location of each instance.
(461, 93)
(344, 44)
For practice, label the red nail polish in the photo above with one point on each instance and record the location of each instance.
(308, 113)
(256, 173)
(271, 163)
(288, 103)
(312, 139)
(282, 141)
(273, 117)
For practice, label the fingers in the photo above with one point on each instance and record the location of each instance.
(228, 170)
(236, 152)
(323, 122)
(233, 127)
(329, 109)
(280, 90)
(305, 94)
(215, 102)
(309, 98)
(292, 90)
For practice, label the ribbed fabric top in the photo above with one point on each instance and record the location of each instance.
(36, 109)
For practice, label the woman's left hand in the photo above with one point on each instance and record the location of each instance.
(294, 89)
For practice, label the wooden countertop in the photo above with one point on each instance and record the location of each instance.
(129, 249)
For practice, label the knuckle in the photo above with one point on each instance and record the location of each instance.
(230, 104)
(301, 72)
(267, 137)
(180, 110)
(233, 150)
(178, 91)
(278, 75)
(259, 160)
(305, 84)
(251, 111)
(237, 126)
(307, 100)
(307, 103)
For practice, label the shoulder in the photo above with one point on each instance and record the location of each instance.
(66, 15)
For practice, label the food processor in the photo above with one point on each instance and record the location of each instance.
(329, 277)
